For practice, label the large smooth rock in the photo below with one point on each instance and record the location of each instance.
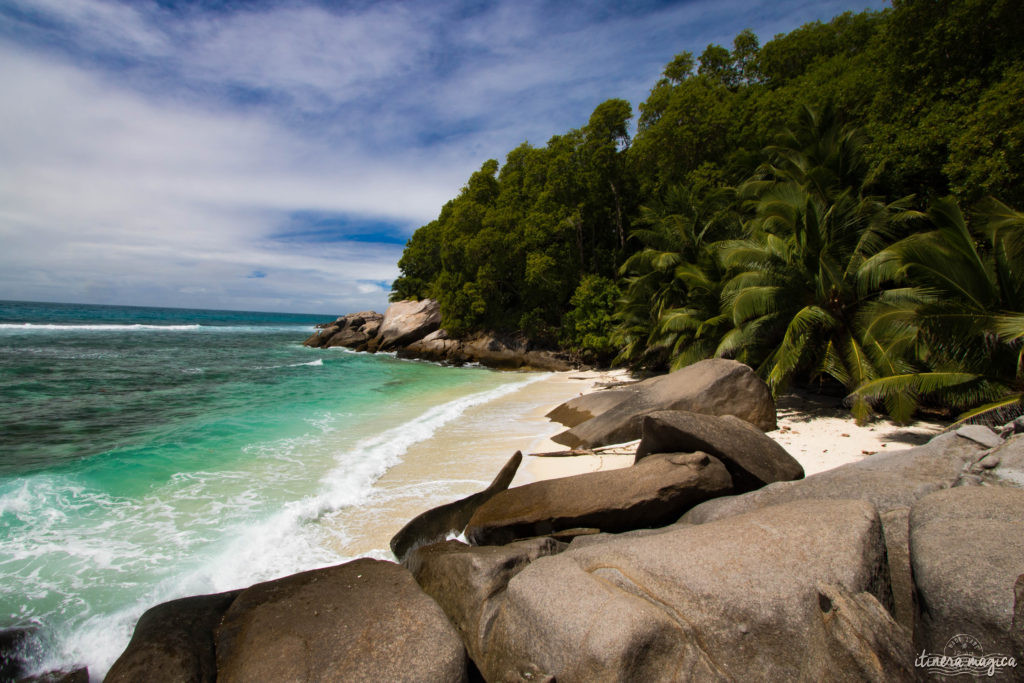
(580, 409)
(752, 458)
(892, 482)
(654, 492)
(468, 582)
(887, 480)
(365, 620)
(174, 641)
(967, 551)
(714, 387)
(405, 322)
(793, 592)
(434, 525)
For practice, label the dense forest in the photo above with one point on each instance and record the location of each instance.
(833, 208)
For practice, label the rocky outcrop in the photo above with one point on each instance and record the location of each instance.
(351, 331)
(794, 592)
(406, 322)
(752, 458)
(365, 620)
(967, 549)
(849, 574)
(714, 387)
(434, 525)
(505, 352)
(177, 639)
(411, 329)
(654, 492)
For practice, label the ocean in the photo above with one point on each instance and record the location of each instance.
(148, 454)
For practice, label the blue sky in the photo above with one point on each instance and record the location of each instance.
(275, 155)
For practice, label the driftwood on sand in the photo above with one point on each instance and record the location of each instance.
(627, 448)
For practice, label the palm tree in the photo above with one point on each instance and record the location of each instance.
(671, 274)
(959, 304)
(796, 288)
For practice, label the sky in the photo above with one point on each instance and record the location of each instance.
(276, 155)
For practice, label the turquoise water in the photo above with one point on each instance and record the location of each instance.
(148, 454)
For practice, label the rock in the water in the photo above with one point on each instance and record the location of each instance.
(75, 676)
(967, 550)
(365, 620)
(17, 647)
(435, 525)
(580, 409)
(468, 582)
(752, 458)
(351, 331)
(405, 322)
(792, 592)
(436, 346)
(654, 492)
(714, 387)
(174, 641)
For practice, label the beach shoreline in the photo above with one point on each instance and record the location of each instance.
(464, 455)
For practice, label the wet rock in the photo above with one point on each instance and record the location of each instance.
(351, 331)
(17, 647)
(174, 641)
(69, 676)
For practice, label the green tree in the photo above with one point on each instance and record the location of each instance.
(796, 287)
(672, 282)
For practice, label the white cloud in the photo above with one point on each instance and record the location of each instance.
(99, 184)
(149, 155)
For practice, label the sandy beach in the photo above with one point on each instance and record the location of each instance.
(463, 456)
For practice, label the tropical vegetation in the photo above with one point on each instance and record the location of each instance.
(822, 207)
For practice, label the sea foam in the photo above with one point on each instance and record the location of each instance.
(248, 548)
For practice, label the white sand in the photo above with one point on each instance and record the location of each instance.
(459, 459)
(464, 456)
(815, 430)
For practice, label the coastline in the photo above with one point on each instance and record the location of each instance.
(461, 458)
(464, 455)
